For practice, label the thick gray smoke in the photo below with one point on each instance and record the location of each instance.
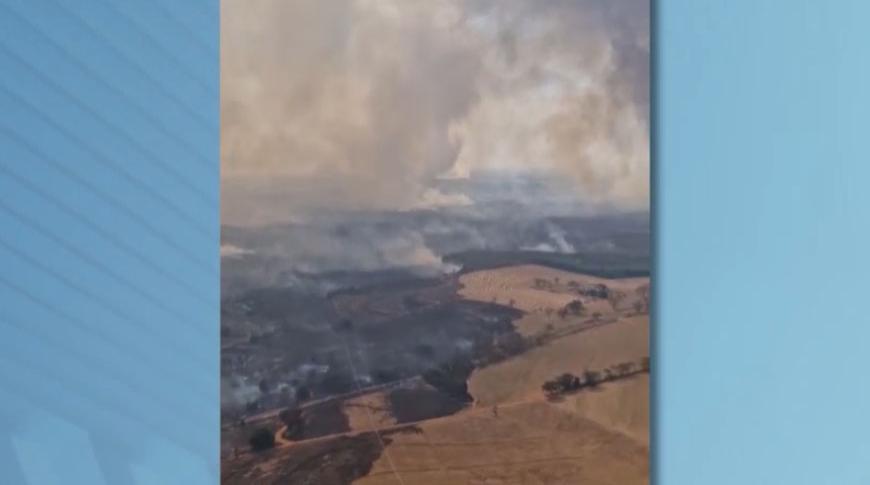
(368, 104)
(333, 249)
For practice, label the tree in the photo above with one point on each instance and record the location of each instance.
(638, 307)
(567, 381)
(644, 364)
(598, 290)
(624, 368)
(262, 439)
(293, 420)
(561, 384)
(591, 378)
(575, 307)
(551, 389)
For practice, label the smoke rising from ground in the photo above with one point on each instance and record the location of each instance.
(368, 104)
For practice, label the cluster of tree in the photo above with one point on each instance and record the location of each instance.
(562, 384)
(262, 439)
(573, 308)
(567, 382)
(597, 290)
(293, 420)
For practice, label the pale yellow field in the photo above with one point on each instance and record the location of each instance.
(529, 443)
(622, 406)
(521, 377)
(541, 292)
(518, 284)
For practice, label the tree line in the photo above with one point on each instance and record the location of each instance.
(567, 382)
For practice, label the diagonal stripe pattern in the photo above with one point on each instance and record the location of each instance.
(109, 228)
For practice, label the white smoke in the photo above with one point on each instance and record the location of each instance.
(366, 104)
(231, 251)
(556, 244)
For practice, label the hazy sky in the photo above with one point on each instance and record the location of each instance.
(362, 104)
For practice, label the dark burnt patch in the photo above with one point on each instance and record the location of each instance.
(411, 405)
(338, 461)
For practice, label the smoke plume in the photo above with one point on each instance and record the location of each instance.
(368, 104)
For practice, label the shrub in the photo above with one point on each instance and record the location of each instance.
(262, 439)
(293, 420)
(575, 307)
(591, 378)
(566, 382)
(644, 364)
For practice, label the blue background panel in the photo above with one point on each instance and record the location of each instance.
(109, 177)
(762, 237)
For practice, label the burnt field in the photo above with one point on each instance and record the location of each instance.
(281, 347)
(285, 346)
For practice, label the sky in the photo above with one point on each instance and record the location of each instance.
(369, 104)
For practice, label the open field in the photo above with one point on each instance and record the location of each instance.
(526, 442)
(598, 348)
(622, 406)
(534, 442)
(540, 292)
